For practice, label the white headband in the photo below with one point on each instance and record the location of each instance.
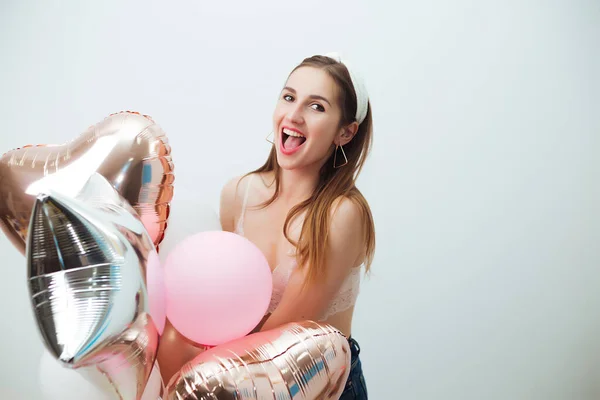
(362, 97)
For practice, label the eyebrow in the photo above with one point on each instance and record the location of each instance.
(312, 96)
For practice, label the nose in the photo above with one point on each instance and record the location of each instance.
(295, 114)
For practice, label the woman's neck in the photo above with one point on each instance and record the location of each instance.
(297, 185)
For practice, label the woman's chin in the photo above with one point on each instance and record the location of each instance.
(298, 161)
(288, 163)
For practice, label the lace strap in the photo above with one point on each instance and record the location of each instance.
(240, 224)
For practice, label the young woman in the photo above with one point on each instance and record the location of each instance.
(302, 208)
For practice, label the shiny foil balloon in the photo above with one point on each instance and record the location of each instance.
(305, 361)
(130, 150)
(89, 259)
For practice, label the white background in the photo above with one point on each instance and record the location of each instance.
(484, 179)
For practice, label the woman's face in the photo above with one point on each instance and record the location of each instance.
(306, 119)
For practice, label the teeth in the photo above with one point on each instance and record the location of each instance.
(291, 133)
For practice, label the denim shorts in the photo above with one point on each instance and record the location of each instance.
(356, 387)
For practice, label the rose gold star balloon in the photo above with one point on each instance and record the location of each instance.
(298, 361)
(128, 149)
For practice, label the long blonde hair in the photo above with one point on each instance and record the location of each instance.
(333, 183)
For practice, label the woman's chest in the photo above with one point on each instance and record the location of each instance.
(265, 228)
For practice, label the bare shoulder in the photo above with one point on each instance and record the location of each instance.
(229, 190)
(351, 227)
(346, 222)
(234, 188)
(347, 213)
(230, 201)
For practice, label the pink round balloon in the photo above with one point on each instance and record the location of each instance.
(218, 287)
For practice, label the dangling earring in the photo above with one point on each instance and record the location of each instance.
(267, 138)
(335, 157)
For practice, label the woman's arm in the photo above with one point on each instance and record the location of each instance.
(345, 244)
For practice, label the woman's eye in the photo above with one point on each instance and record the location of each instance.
(318, 107)
(288, 97)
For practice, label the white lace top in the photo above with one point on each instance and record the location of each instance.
(346, 296)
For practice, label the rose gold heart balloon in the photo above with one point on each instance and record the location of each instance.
(128, 149)
(297, 361)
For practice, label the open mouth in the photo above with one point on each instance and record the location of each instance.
(291, 140)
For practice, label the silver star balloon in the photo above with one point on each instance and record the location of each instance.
(88, 258)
